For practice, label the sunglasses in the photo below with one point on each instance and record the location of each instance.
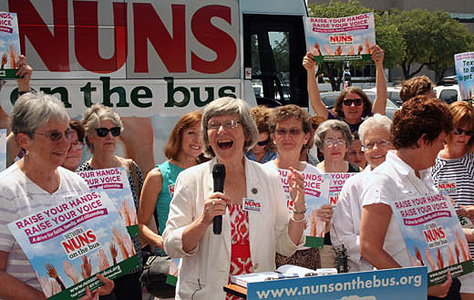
(263, 143)
(102, 131)
(349, 102)
(292, 131)
(459, 131)
(56, 136)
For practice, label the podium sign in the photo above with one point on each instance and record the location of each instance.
(393, 284)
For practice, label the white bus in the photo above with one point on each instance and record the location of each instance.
(159, 59)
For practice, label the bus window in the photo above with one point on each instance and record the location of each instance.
(273, 48)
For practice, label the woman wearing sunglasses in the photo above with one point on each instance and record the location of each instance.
(454, 173)
(352, 105)
(37, 181)
(291, 128)
(103, 127)
(263, 151)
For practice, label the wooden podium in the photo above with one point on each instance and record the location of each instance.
(237, 290)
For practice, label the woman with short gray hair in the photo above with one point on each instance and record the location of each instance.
(229, 106)
(92, 118)
(375, 137)
(333, 138)
(34, 183)
(376, 121)
(103, 127)
(252, 202)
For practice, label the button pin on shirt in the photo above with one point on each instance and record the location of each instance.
(254, 191)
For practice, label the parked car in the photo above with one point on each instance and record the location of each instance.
(329, 98)
(393, 93)
(448, 93)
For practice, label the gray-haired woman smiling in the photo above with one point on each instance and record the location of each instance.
(41, 127)
(255, 218)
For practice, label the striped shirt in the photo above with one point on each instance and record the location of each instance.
(20, 197)
(455, 177)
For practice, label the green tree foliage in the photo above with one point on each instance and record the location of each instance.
(431, 38)
(411, 39)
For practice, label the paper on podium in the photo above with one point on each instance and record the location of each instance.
(283, 272)
(305, 272)
(245, 279)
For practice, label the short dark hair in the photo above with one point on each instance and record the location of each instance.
(356, 90)
(77, 126)
(420, 116)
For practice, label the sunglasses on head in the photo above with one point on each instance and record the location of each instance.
(102, 131)
(459, 131)
(263, 143)
(57, 136)
(349, 102)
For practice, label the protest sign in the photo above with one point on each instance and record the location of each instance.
(341, 39)
(433, 236)
(316, 189)
(9, 44)
(336, 184)
(69, 243)
(3, 149)
(114, 182)
(464, 63)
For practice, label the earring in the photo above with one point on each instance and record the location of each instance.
(27, 152)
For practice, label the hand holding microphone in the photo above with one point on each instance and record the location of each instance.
(218, 175)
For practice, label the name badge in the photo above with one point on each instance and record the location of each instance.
(251, 205)
(448, 187)
(171, 189)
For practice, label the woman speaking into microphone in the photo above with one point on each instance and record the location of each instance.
(255, 222)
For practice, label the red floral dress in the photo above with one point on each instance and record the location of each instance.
(240, 261)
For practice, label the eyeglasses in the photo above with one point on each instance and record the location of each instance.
(349, 102)
(263, 143)
(335, 142)
(102, 131)
(230, 124)
(459, 131)
(292, 131)
(56, 136)
(77, 145)
(371, 145)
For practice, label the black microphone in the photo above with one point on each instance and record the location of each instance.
(218, 174)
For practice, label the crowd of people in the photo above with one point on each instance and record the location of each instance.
(266, 154)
